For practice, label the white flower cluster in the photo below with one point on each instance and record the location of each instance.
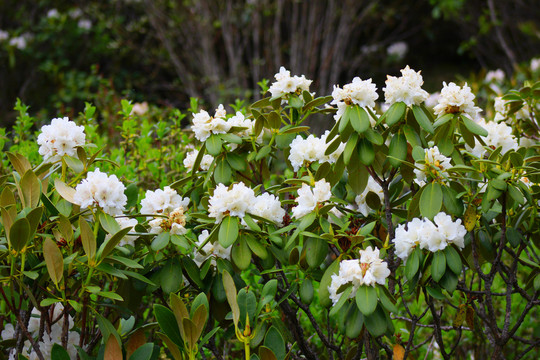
(205, 125)
(210, 250)
(360, 200)
(165, 202)
(309, 198)
(435, 164)
(369, 270)
(139, 108)
(49, 338)
(190, 158)
(535, 64)
(4, 35)
(241, 199)
(407, 88)
(433, 236)
(494, 76)
(501, 111)
(101, 190)
(360, 92)
(454, 99)
(285, 84)
(398, 50)
(312, 149)
(499, 134)
(60, 138)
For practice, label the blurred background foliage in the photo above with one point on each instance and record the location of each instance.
(55, 55)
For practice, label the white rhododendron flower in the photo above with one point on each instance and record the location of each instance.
(269, 207)
(360, 92)
(535, 64)
(99, 189)
(360, 200)
(309, 198)
(499, 134)
(139, 109)
(435, 165)
(205, 125)
(190, 158)
(455, 99)
(84, 24)
(433, 236)
(210, 250)
(233, 202)
(368, 270)
(4, 35)
(60, 138)
(407, 88)
(285, 84)
(495, 75)
(162, 202)
(312, 149)
(51, 336)
(432, 100)
(398, 49)
(175, 223)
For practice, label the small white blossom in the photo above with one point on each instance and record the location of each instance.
(435, 164)
(125, 222)
(139, 108)
(372, 186)
(101, 190)
(432, 100)
(433, 236)
(174, 224)
(535, 64)
(269, 207)
(85, 24)
(499, 134)
(60, 138)
(368, 270)
(233, 202)
(309, 198)
(312, 149)
(210, 250)
(204, 125)
(285, 84)
(495, 76)
(407, 88)
(398, 50)
(4, 35)
(20, 42)
(162, 202)
(53, 14)
(8, 332)
(190, 158)
(360, 92)
(455, 99)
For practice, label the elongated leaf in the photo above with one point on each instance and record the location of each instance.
(431, 200)
(230, 291)
(171, 276)
(316, 251)
(376, 322)
(247, 304)
(350, 148)
(168, 323)
(359, 119)
(413, 264)
(31, 189)
(108, 246)
(144, 352)
(53, 260)
(256, 247)
(59, 353)
(366, 299)
(228, 231)
(19, 162)
(395, 113)
(241, 254)
(274, 341)
(397, 150)
(438, 265)
(173, 348)
(474, 127)
(87, 238)
(19, 234)
(65, 191)
(366, 154)
(113, 351)
(453, 260)
(223, 172)
(342, 300)
(213, 144)
(422, 119)
(324, 295)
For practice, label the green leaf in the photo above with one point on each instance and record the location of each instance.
(53, 260)
(376, 322)
(230, 291)
(59, 353)
(342, 300)
(264, 354)
(275, 342)
(449, 281)
(171, 276)
(452, 203)
(247, 304)
(65, 191)
(241, 254)
(438, 265)
(397, 151)
(366, 299)
(167, 323)
(19, 234)
(431, 200)
(422, 119)
(306, 291)
(31, 189)
(108, 246)
(236, 161)
(473, 127)
(110, 295)
(453, 260)
(143, 352)
(108, 223)
(213, 144)
(350, 147)
(333, 146)
(74, 164)
(359, 179)
(228, 231)
(87, 238)
(354, 322)
(387, 300)
(160, 241)
(268, 293)
(366, 154)
(413, 264)
(256, 247)
(359, 119)
(223, 172)
(324, 294)
(395, 113)
(316, 251)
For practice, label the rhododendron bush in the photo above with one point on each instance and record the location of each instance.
(405, 230)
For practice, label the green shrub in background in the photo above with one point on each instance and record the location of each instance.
(408, 232)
